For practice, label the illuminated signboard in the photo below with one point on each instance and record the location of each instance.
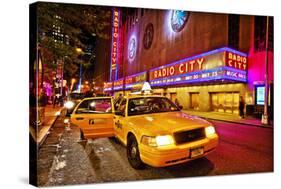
(135, 80)
(132, 48)
(260, 92)
(234, 60)
(212, 65)
(107, 86)
(114, 44)
(118, 84)
(260, 95)
(221, 73)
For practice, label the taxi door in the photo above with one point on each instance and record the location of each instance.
(94, 116)
(119, 120)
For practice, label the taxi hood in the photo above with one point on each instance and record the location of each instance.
(167, 122)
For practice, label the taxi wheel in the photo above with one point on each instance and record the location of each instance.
(82, 137)
(133, 153)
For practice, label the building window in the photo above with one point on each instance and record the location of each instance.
(233, 30)
(142, 12)
(260, 33)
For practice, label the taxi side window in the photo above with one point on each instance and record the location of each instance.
(95, 106)
(122, 107)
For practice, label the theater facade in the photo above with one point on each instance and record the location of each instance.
(205, 60)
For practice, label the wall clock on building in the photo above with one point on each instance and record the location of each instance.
(148, 36)
(179, 19)
(132, 48)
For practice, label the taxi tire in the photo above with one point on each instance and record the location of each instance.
(82, 137)
(135, 162)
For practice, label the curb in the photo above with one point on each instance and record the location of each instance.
(236, 122)
(39, 144)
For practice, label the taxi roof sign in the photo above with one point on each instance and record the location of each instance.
(146, 87)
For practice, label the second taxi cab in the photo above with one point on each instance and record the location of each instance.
(154, 130)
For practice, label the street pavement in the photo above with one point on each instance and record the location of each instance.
(231, 118)
(64, 159)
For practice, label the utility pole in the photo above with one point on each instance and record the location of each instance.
(265, 120)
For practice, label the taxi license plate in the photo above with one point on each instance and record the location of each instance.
(196, 152)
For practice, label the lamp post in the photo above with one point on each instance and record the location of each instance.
(80, 51)
(265, 120)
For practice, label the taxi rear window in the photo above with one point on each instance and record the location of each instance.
(146, 105)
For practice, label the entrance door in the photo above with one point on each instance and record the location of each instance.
(94, 116)
(194, 98)
(173, 96)
(227, 102)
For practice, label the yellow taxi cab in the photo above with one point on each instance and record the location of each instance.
(154, 130)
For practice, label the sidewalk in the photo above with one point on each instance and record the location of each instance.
(49, 120)
(228, 118)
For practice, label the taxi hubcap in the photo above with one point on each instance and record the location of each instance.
(133, 151)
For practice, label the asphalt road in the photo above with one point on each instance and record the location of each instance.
(63, 159)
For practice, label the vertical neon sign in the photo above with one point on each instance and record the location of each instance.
(114, 44)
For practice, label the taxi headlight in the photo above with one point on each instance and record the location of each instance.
(158, 140)
(164, 140)
(210, 130)
(69, 104)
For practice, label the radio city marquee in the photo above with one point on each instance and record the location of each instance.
(118, 84)
(107, 86)
(219, 64)
(114, 47)
(134, 81)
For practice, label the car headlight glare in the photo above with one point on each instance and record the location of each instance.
(158, 140)
(66, 121)
(69, 104)
(164, 140)
(210, 130)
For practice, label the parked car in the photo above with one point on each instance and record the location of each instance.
(154, 130)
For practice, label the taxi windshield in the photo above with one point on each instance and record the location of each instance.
(146, 105)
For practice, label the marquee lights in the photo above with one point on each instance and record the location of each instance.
(118, 84)
(107, 86)
(114, 44)
(236, 60)
(181, 68)
(221, 73)
(223, 64)
(135, 80)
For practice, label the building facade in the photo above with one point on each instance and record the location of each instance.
(205, 60)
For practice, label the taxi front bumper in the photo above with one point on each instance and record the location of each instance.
(176, 154)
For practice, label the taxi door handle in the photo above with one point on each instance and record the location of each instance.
(79, 118)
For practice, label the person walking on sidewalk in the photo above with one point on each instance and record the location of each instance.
(241, 107)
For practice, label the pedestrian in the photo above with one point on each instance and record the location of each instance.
(241, 107)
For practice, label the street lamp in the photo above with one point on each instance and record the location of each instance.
(265, 119)
(80, 51)
(72, 83)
